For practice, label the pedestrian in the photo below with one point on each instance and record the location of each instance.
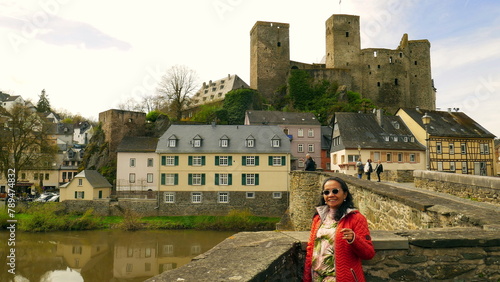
(339, 237)
(310, 163)
(359, 165)
(379, 168)
(368, 169)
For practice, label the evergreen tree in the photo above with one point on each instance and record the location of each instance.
(43, 105)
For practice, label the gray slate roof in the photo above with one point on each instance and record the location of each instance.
(137, 144)
(94, 178)
(211, 134)
(364, 130)
(277, 117)
(449, 124)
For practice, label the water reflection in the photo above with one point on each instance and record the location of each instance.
(104, 255)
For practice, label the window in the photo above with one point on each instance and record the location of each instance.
(150, 178)
(300, 133)
(250, 195)
(484, 149)
(169, 197)
(197, 141)
(301, 163)
(464, 167)
(440, 166)
(223, 179)
(79, 194)
(250, 179)
(463, 148)
(172, 143)
(275, 143)
(35, 176)
(300, 148)
(132, 162)
(412, 158)
(80, 182)
(310, 148)
(129, 266)
(386, 138)
(250, 160)
(277, 160)
(250, 143)
(395, 138)
(452, 148)
(150, 162)
(223, 160)
(375, 54)
(196, 179)
(352, 158)
(223, 197)
(277, 195)
(400, 157)
(196, 197)
(47, 175)
(169, 160)
(131, 177)
(347, 34)
(310, 132)
(452, 166)
(224, 143)
(389, 157)
(439, 149)
(376, 156)
(196, 160)
(169, 179)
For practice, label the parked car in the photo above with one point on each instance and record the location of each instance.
(46, 197)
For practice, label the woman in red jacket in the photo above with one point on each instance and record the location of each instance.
(339, 238)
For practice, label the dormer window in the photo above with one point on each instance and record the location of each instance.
(250, 142)
(275, 142)
(224, 141)
(197, 141)
(172, 141)
(395, 124)
(386, 138)
(395, 138)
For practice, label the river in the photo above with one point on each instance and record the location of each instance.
(97, 256)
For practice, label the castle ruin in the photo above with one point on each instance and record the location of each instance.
(391, 78)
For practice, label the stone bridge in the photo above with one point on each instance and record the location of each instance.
(419, 234)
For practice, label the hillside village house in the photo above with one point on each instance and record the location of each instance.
(376, 137)
(211, 169)
(326, 145)
(303, 129)
(86, 185)
(137, 167)
(456, 143)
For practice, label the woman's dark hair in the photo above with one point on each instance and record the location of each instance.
(348, 203)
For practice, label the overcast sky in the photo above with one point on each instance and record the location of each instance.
(91, 55)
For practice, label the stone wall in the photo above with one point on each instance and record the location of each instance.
(479, 188)
(421, 255)
(398, 175)
(262, 205)
(385, 207)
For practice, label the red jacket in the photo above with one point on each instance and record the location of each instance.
(347, 256)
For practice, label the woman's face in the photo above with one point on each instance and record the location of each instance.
(333, 200)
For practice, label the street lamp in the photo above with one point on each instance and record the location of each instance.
(359, 151)
(426, 119)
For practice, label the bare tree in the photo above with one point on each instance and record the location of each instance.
(24, 141)
(177, 85)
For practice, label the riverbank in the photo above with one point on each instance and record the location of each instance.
(45, 217)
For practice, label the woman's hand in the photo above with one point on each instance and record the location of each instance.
(347, 234)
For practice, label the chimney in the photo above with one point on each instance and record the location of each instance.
(379, 117)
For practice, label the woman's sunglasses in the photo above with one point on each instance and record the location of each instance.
(327, 192)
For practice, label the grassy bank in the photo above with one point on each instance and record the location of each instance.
(51, 217)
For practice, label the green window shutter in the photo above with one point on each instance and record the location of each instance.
(270, 158)
(176, 179)
(244, 160)
(256, 179)
(76, 195)
(257, 160)
(243, 179)
(202, 160)
(176, 160)
(190, 179)
(230, 179)
(203, 179)
(230, 160)
(283, 160)
(162, 179)
(216, 179)
(190, 160)
(163, 160)
(83, 195)
(216, 160)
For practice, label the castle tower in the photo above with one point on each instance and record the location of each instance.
(269, 57)
(422, 92)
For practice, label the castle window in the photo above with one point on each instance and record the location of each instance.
(390, 60)
(279, 44)
(375, 54)
(395, 81)
(401, 54)
(378, 66)
(378, 84)
(368, 66)
(347, 34)
(415, 63)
